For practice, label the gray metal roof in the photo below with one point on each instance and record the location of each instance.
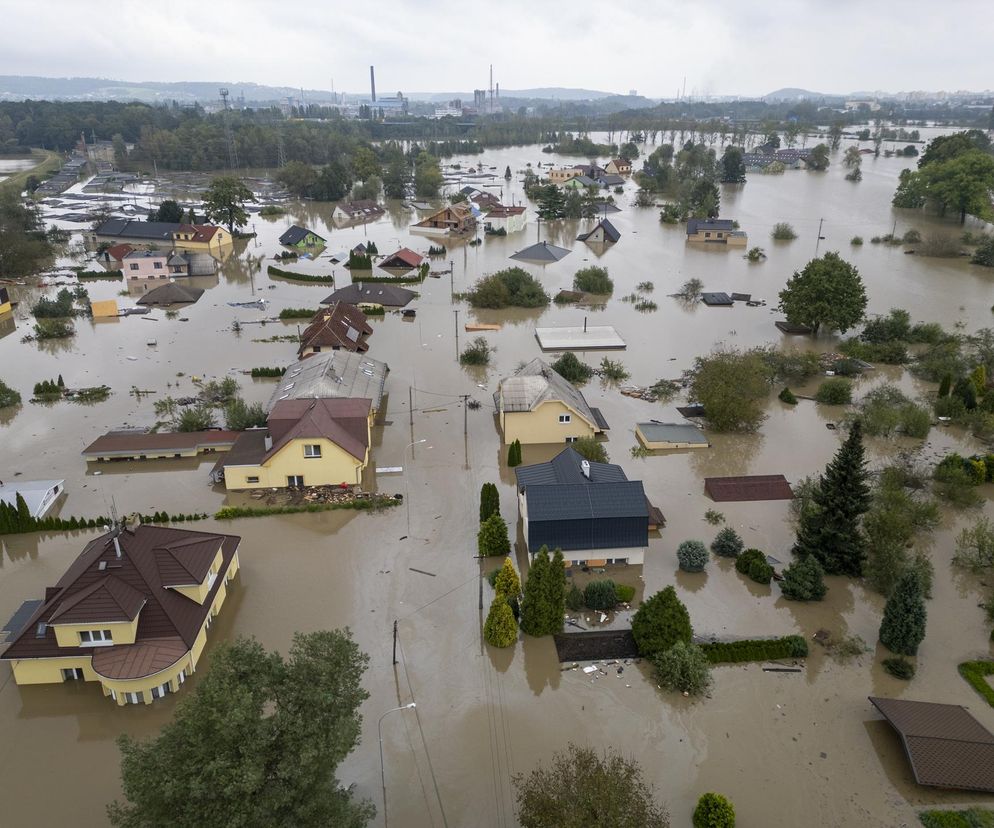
(375, 293)
(610, 231)
(536, 383)
(672, 433)
(130, 228)
(696, 225)
(36, 494)
(566, 468)
(333, 374)
(542, 252)
(579, 501)
(297, 234)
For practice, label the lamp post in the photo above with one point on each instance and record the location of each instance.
(383, 774)
(407, 485)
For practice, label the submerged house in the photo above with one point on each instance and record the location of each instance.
(132, 613)
(333, 375)
(403, 259)
(306, 442)
(716, 231)
(301, 238)
(38, 495)
(145, 264)
(354, 211)
(537, 405)
(564, 174)
(602, 233)
(6, 306)
(338, 327)
(376, 295)
(618, 166)
(205, 238)
(501, 217)
(591, 511)
(454, 219)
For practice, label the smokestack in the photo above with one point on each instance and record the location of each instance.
(372, 84)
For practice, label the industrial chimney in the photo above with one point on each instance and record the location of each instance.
(372, 84)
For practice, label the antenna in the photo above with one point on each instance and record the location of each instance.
(228, 137)
(491, 89)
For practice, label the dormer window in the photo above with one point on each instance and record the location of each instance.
(96, 637)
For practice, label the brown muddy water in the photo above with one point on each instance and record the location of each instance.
(788, 749)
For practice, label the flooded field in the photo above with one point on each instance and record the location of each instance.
(9, 166)
(787, 749)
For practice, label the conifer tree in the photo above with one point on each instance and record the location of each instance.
(803, 580)
(830, 529)
(514, 454)
(489, 501)
(535, 611)
(507, 582)
(903, 625)
(660, 622)
(556, 593)
(499, 629)
(492, 539)
(24, 519)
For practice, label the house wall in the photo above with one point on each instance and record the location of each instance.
(220, 239)
(559, 176)
(199, 592)
(147, 267)
(5, 307)
(123, 632)
(718, 237)
(334, 466)
(542, 425)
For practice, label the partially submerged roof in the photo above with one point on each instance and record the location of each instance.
(134, 229)
(361, 208)
(671, 433)
(342, 421)
(333, 374)
(611, 233)
(749, 487)
(947, 747)
(296, 234)
(171, 294)
(702, 225)
(38, 495)
(586, 338)
(340, 325)
(541, 253)
(134, 443)
(567, 468)
(536, 383)
(716, 299)
(358, 293)
(403, 258)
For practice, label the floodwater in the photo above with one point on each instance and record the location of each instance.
(9, 166)
(788, 749)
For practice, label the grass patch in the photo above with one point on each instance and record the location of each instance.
(975, 673)
(791, 646)
(969, 818)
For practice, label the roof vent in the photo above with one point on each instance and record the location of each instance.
(585, 468)
(102, 566)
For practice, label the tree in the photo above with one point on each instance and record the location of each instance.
(24, 246)
(600, 595)
(703, 199)
(684, 668)
(590, 448)
(733, 169)
(8, 396)
(256, 743)
(514, 454)
(489, 501)
(169, 211)
(818, 160)
(581, 788)
(835, 135)
(427, 176)
(727, 543)
(507, 173)
(24, 519)
(593, 280)
(544, 602)
(365, 164)
(733, 387)
(828, 292)
(512, 286)
(569, 367)
(713, 811)
(853, 158)
(333, 182)
(692, 555)
(297, 177)
(551, 202)
(660, 622)
(196, 418)
(239, 416)
(628, 152)
(507, 582)
(830, 530)
(903, 626)
(492, 538)
(500, 629)
(396, 177)
(804, 580)
(224, 202)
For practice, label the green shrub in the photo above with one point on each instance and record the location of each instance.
(507, 582)
(492, 539)
(969, 818)
(782, 231)
(360, 504)
(787, 396)
(512, 287)
(899, 667)
(835, 391)
(593, 280)
(8, 396)
(761, 572)
(804, 580)
(279, 273)
(258, 373)
(600, 595)
(727, 543)
(847, 368)
(500, 629)
(661, 622)
(489, 501)
(692, 555)
(297, 313)
(714, 811)
(613, 370)
(569, 367)
(591, 449)
(574, 598)
(476, 353)
(757, 649)
(975, 673)
(514, 454)
(683, 668)
(856, 241)
(714, 517)
(624, 593)
(745, 560)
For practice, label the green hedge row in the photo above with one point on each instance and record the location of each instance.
(791, 646)
(268, 372)
(970, 818)
(300, 277)
(975, 673)
(100, 274)
(232, 512)
(381, 280)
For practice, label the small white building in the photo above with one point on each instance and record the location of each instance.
(39, 495)
(508, 219)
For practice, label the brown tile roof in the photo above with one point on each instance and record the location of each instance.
(248, 450)
(946, 746)
(750, 487)
(171, 294)
(343, 421)
(340, 325)
(504, 211)
(132, 444)
(361, 208)
(117, 252)
(166, 613)
(201, 232)
(405, 257)
(109, 599)
(138, 660)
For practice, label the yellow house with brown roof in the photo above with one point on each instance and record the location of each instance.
(131, 613)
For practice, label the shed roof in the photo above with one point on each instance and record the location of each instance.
(671, 433)
(34, 492)
(405, 257)
(947, 747)
(134, 229)
(131, 443)
(699, 225)
(750, 487)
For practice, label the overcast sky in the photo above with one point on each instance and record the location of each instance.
(724, 47)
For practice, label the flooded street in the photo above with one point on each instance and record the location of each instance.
(787, 749)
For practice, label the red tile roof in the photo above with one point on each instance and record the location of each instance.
(504, 211)
(166, 613)
(201, 232)
(119, 251)
(403, 257)
(145, 658)
(751, 487)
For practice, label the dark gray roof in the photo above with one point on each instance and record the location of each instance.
(541, 252)
(565, 468)
(132, 229)
(610, 180)
(581, 501)
(610, 231)
(716, 299)
(695, 225)
(375, 293)
(171, 294)
(296, 234)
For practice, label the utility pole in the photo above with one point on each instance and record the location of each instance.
(818, 240)
(456, 311)
(465, 415)
(452, 276)
(410, 403)
(395, 640)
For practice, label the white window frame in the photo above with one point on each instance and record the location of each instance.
(163, 690)
(252, 479)
(565, 419)
(312, 451)
(96, 638)
(134, 698)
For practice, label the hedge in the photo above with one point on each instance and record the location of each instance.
(970, 818)
(297, 313)
(397, 280)
(100, 274)
(975, 673)
(232, 512)
(300, 277)
(268, 372)
(756, 649)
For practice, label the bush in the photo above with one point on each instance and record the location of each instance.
(975, 547)
(895, 326)
(54, 329)
(661, 622)
(758, 649)
(500, 630)
(835, 391)
(512, 287)
(889, 353)
(733, 386)
(489, 501)
(593, 280)
(727, 543)
(847, 368)
(714, 517)
(258, 373)
(600, 595)
(984, 255)
(761, 572)
(804, 580)
(692, 555)
(886, 410)
(8, 396)
(613, 370)
(683, 668)
(574, 598)
(745, 560)
(975, 673)
(300, 277)
(624, 593)
(787, 396)
(970, 818)
(591, 449)
(197, 418)
(856, 241)
(514, 454)
(492, 538)
(899, 667)
(506, 582)
(476, 353)
(714, 811)
(954, 485)
(782, 231)
(238, 415)
(569, 367)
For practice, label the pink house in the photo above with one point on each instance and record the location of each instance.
(146, 264)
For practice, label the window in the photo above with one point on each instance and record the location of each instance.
(315, 450)
(133, 266)
(565, 418)
(181, 677)
(160, 691)
(157, 265)
(572, 439)
(134, 698)
(72, 674)
(295, 481)
(251, 479)
(95, 637)
(707, 235)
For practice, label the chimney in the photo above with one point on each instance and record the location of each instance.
(267, 442)
(372, 84)
(117, 545)
(585, 468)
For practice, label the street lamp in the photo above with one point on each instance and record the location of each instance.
(407, 485)
(383, 774)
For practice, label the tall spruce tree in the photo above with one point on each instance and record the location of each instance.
(489, 501)
(555, 591)
(903, 625)
(830, 530)
(537, 609)
(24, 519)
